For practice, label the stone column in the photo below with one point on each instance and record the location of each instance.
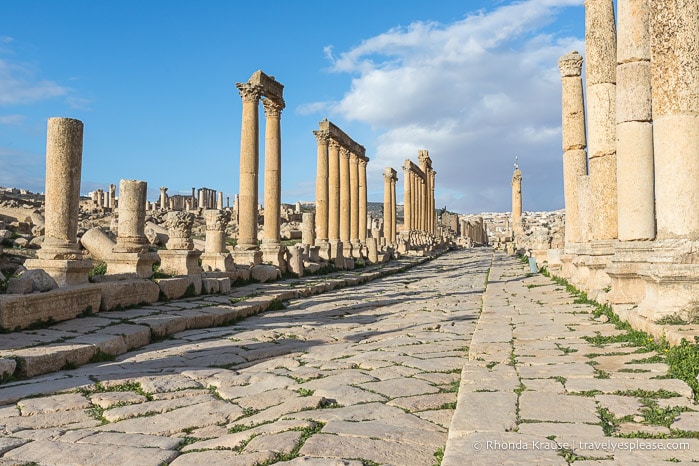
(334, 191)
(273, 170)
(354, 198)
(675, 80)
(387, 208)
(322, 174)
(60, 254)
(308, 228)
(517, 227)
(345, 193)
(574, 142)
(408, 198)
(132, 217)
(249, 165)
(600, 72)
(163, 198)
(433, 212)
(112, 196)
(392, 237)
(362, 199)
(219, 201)
(200, 198)
(635, 177)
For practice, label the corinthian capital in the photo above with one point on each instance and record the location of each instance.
(249, 92)
(322, 136)
(570, 64)
(273, 108)
(344, 152)
(216, 220)
(179, 226)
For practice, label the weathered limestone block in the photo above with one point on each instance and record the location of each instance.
(295, 261)
(264, 273)
(372, 254)
(124, 293)
(40, 281)
(209, 285)
(21, 311)
(175, 288)
(97, 243)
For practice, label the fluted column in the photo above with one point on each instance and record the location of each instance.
(345, 193)
(574, 143)
(273, 170)
(333, 190)
(249, 165)
(675, 81)
(600, 73)
(322, 174)
(362, 199)
(354, 198)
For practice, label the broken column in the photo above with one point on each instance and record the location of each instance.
(163, 198)
(130, 255)
(60, 254)
(216, 256)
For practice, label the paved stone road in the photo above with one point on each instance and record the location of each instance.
(369, 375)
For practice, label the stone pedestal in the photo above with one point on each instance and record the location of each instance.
(372, 250)
(336, 254)
(137, 263)
(273, 254)
(180, 261)
(64, 272)
(217, 262)
(247, 257)
(324, 250)
(628, 287)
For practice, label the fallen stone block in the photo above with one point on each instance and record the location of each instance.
(125, 293)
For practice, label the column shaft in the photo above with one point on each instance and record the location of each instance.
(249, 166)
(354, 198)
(362, 200)
(273, 170)
(333, 190)
(407, 199)
(345, 193)
(322, 174)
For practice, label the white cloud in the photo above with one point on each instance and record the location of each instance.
(18, 85)
(475, 93)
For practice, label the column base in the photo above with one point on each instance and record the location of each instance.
(628, 287)
(273, 254)
(217, 262)
(372, 250)
(132, 262)
(180, 261)
(323, 250)
(347, 249)
(247, 257)
(356, 249)
(64, 272)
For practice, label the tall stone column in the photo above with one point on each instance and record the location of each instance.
(345, 193)
(322, 174)
(600, 72)
(408, 198)
(517, 226)
(273, 159)
(112, 196)
(635, 171)
(574, 142)
(249, 166)
(200, 200)
(334, 191)
(219, 201)
(393, 208)
(362, 199)
(433, 212)
(675, 80)
(387, 209)
(163, 198)
(354, 198)
(60, 254)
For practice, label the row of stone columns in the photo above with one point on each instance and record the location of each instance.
(419, 211)
(341, 192)
(643, 132)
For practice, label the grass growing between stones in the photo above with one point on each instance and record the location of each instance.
(683, 359)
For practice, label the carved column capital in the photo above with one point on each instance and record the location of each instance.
(570, 64)
(216, 220)
(322, 136)
(179, 226)
(273, 108)
(249, 92)
(344, 153)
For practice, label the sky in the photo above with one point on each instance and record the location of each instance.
(474, 82)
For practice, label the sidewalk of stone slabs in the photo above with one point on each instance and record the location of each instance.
(104, 335)
(535, 392)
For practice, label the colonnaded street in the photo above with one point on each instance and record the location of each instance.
(463, 359)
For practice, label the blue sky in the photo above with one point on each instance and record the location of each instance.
(474, 82)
